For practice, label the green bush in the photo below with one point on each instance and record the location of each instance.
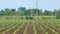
(57, 17)
(7, 17)
(22, 17)
(29, 18)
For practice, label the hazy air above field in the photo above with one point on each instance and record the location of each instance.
(43, 4)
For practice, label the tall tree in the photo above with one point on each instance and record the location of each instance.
(1, 12)
(58, 14)
(7, 11)
(40, 12)
(13, 10)
(21, 9)
(47, 13)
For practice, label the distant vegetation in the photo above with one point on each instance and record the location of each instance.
(22, 11)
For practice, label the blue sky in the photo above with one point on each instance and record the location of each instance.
(43, 4)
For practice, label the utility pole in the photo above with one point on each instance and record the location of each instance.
(36, 7)
(36, 14)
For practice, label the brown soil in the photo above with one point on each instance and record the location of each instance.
(12, 30)
(47, 29)
(57, 30)
(0, 24)
(4, 29)
(30, 29)
(21, 29)
(38, 29)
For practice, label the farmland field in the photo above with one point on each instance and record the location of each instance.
(43, 26)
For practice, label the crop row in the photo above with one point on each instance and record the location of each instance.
(30, 27)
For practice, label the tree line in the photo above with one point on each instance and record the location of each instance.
(22, 11)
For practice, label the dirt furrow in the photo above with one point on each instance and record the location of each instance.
(12, 30)
(5, 28)
(38, 29)
(30, 29)
(47, 29)
(21, 29)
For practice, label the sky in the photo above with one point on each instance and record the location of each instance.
(42, 4)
